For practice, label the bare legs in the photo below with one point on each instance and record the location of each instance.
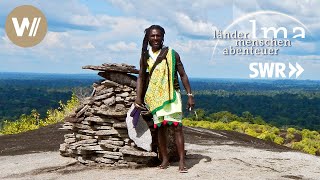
(180, 146)
(162, 139)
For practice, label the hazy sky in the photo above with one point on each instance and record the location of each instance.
(83, 32)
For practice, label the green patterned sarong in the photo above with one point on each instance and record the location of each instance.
(162, 99)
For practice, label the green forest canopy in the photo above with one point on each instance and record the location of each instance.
(279, 102)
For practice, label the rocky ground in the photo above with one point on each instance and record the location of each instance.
(210, 155)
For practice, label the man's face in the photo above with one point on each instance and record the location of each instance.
(155, 39)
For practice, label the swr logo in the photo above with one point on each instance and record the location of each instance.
(26, 26)
(274, 70)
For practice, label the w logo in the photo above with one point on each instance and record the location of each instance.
(26, 26)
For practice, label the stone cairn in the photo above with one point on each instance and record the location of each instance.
(98, 131)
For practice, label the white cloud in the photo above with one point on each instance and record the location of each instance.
(306, 47)
(298, 8)
(84, 46)
(191, 27)
(5, 39)
(123, 47)
(123, 4)
(55, 39)
(188, 24)
(303, 10)
(110, 28)
(209, 4)
(196, 46)
(87, 20)
(124, 26)
(58, 10)
(183, 16)
(88, 46)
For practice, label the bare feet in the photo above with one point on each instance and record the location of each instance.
(164, 165)
(182, 167)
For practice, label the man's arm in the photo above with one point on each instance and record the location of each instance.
(140, 83)
(185, 81)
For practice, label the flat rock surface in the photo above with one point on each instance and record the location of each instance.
(113, 67)
(204, 162)
(210, 155)
(44, 139)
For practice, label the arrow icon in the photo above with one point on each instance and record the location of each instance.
(292, 70)
(300, 70)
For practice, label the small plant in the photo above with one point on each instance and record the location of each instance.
(33, 121)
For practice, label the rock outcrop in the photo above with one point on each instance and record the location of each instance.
(98, 131)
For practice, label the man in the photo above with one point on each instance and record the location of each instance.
(162, 93)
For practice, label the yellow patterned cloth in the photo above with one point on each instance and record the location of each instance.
(162, 99)
(170, 114)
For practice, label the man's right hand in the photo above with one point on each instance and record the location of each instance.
(139, 105)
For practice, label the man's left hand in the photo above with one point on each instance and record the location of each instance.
(191, 104)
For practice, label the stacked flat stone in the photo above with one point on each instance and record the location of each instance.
(98, 131)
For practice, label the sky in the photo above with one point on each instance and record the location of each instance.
(83, 32)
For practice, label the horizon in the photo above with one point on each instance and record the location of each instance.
(191, 78)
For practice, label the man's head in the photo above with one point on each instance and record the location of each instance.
(155, 36)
